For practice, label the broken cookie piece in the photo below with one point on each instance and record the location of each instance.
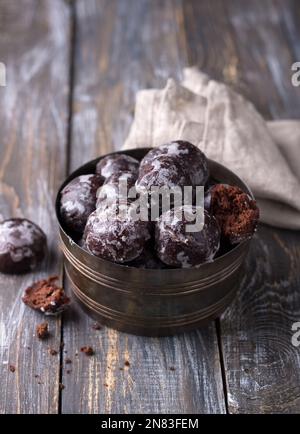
(46, 296)
(236, 212)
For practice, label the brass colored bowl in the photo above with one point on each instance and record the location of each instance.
(146, 301)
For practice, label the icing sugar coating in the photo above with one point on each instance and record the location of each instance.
(192, 160)
(22, 246)
(114, 164)
(116, 189)
(114, 237)
(177, 247)
(162, 171)
(78, 201)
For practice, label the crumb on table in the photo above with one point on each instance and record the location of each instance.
(87, 350)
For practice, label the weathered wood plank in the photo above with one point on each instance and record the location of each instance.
(290, 18)
(262, 365)
(33, 122)
(210, 44)
(249, 47)
(266, 55)
(120, 48)
(257, 43)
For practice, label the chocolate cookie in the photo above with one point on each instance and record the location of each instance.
(148, 259)
(114, 237)
(177, 247)
(22, 246)
(162, 171)
(116, 164)
(236, 212)
(116, 189)
(192, 160)
(78, 201)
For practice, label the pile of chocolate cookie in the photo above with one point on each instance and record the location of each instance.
(90, 208)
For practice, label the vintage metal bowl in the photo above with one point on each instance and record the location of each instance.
(152, 302)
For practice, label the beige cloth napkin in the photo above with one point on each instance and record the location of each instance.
(228, 129)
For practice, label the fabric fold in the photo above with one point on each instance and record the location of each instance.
(229, 130)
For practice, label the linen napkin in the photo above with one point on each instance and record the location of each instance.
(228, 129)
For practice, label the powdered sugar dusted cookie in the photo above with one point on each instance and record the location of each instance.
(78, 201)
(116, 164)
(116, 189)
(192, 160)
(162, 171)
(22, 246)
(179, 248)
(115, 237)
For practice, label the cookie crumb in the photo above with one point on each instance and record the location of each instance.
(12, 368)
(68, 361)
(61, 386)
(53, 352)
(127, 363)
(88, 351)
(42, 330)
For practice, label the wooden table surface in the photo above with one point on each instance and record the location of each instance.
(73, 69)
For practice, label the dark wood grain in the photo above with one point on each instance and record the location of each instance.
(33, 115)
(209, 41)
(122, 47)
(261, 364)
(290, 18)
(249, 46)
(263, 34)
(256, 42)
